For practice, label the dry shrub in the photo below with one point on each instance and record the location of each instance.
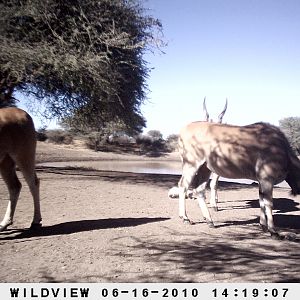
(58, 136)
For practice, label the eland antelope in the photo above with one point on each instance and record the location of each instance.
(174, 191)
(258, 152)
(17, 148)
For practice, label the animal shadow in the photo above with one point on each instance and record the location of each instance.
(77, 226)
(280, 205)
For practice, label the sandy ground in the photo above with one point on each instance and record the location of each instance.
(101, 226)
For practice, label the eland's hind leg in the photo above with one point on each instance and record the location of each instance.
(266, 206)
(8, 172)
(34, 186)
(27, 167)
(262, 218)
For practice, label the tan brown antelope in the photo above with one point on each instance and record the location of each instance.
(174, 192)
(17, 148)
(258, 152)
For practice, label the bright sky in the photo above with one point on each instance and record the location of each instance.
(245, 50)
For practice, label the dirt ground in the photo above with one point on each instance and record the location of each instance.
(101, 226)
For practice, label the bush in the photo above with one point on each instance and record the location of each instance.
(41, 134)
(156, 135)
(58, 136)
(144, 140)
(291, 128)
(172, 142)
(150, 143)
(121, 139)
(94, 140)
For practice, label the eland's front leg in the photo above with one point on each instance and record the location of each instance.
(182, 206)
(202, 204)
(188, 173)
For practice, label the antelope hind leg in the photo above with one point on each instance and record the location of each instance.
(8, 172)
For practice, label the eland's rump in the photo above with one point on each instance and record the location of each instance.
(17, 148)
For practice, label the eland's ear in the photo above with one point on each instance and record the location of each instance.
(221, 115)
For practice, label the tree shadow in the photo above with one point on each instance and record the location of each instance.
(243, 256)
(161, 180)
(230, 185)
(282, 205)
(247, 256)
(291, 222)
(281, 221)
(238, 223)
(77, 226)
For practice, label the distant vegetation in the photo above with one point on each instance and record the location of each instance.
(151, 143)
(116, 138)
(291, 128)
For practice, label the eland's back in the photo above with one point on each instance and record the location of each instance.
(252, 152)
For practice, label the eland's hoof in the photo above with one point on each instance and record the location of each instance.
(276, 236)
(264, 228)
(186, 221)
(35, 226)
(211, 225)
(4, 227)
